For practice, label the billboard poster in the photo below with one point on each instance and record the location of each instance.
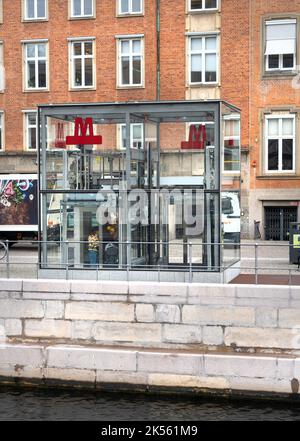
(18, 201)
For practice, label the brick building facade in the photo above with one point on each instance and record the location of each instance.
(242, 51)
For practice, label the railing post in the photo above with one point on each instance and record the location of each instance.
(256, 264)
(7, 259)
(191, 262)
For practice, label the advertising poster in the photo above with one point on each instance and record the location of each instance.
(18, 201)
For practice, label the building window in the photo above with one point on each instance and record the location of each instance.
(35, 9)
(280, 143)
(82, 64)
(130, 6)
(202, 5)
(232, 150)
(35, 66)
(280, 52)
(131, 62)
(136, 136)
(31, 141)
(1, 11)
(203, 60)
(1, 132)
(82, 8)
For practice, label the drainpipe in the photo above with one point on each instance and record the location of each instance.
(158, 50)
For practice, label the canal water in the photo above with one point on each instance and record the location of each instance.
(53, 405)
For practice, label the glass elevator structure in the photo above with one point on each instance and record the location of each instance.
(157, 182)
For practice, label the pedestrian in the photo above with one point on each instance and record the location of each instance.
(93, 248)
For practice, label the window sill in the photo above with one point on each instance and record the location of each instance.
(35, 90)
(200, 85)
(203, 11)
(82, 89)
(140, 14)
(82, 18)
(130, 87)
(34, 20)
(278, 177)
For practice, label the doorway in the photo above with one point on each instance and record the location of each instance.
(277, 222)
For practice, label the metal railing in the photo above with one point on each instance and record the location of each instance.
(257, 261)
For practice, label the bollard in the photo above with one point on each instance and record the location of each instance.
(256, 264)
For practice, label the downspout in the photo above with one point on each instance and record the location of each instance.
(158, 50)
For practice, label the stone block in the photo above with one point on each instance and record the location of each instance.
(261, 302)
(9, 285)
(99, 298)
(48, 328)
(266, 317)
(46, 296)
(257, 385)
(82, 330)
(240, 366)
(144, 313)
(167, 314)
(107, 287)
(285, 368)
(172, 363)
(21, 309)
(158, 289)
(48, 286)
(158, 299)
(91, 358)
(146, 334)
(70, 375)
(213, 335)
(120, 377)
(20, 356)
(13, 327)
(212, 290)
(110, 312)
(205, 315)
(262, 338)
(182, 334)
(289, 318)
(54, 309)
(262, 292)
(188, 381)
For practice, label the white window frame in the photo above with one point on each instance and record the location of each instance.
(2, 137)
(82, 15)
(1, 11)
(203, 53)
(130, 11)
(234, 137)
(280, 138)
(2, 69)
(280, 68)
(203, 8)
(27, 128)
(36, 58)
(130, 55)
(132, 140)
(83, 57)
(35, 18)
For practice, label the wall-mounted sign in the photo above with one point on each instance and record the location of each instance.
(83, 133)
(197, 138)
(60, 141)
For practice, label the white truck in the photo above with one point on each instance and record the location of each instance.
(231, 217)
(18, 207)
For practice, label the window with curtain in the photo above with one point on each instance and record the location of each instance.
(280, 45)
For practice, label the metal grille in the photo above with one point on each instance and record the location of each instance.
(277, 222)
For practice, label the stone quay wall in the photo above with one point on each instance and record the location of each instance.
(198, 337)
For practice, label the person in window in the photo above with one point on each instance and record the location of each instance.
(93, 248)
(111, 251)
